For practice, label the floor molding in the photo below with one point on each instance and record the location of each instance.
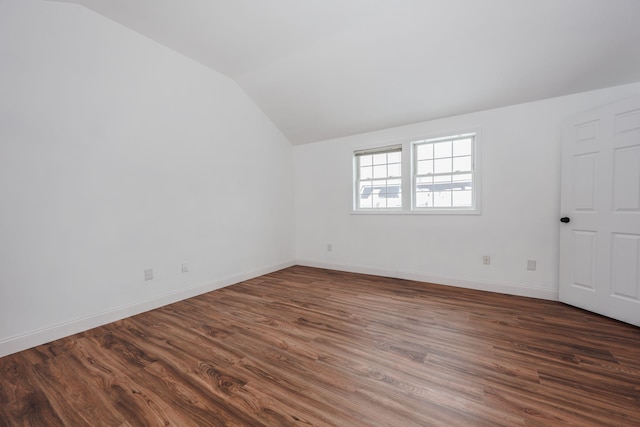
(41, 336)
(504, 288)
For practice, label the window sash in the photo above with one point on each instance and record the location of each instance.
(378, 187)
(433, 176)
(448, 182)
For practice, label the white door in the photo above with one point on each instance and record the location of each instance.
(600, 197)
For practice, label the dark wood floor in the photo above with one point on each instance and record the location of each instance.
(305, 346)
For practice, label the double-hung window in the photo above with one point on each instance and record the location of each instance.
(437, 175)
(443, 173)
(379, 178)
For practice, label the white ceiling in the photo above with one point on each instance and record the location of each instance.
(327, 68)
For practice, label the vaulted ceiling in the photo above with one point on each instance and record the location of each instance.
(328, 68)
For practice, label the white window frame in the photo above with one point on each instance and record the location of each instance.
(408, 177)
(474, 208)
(357, 155)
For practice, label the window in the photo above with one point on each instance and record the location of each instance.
(443, 173)
(437, 175)
(379, 178)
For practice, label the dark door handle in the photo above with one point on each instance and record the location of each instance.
(565, 219)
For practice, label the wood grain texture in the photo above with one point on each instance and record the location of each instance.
(313, 347)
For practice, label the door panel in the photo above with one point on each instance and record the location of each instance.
(584, 256)
(584, 179)
(627, 121)
(626, 179)
(587, 131)
(625, 260)
(600, 193)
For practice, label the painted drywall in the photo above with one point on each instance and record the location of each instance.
(117, 155)
(520, 171)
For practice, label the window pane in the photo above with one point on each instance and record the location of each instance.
(395, 169)
(442, 166)
(462, 164)
(394, 157)
(366, 172)
(379, 200)
(442, 199)
(462, 147)
(391, 190)
(442, 186)
(380, 171)
(365, 160)
(462, 182)
(442, 149)
(462, 198)
(424, 151)
(366, 190)
(424, 199)
(425, 167)
(379, 183)
(394, 203)
(380, 159)
(441, 183)
(394, 193)
(424, 184)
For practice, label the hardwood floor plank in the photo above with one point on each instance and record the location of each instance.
(286, 388)
(73, 400)
(22, 401)
(312, 347)
(134, 401)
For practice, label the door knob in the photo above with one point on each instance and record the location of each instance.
(565, 219)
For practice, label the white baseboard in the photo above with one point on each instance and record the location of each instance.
(503, 288)
(61, 330)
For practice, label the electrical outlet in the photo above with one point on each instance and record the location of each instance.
(184, 268)
(531, 264)
(329, 247)
(148, 274)
(486, 260)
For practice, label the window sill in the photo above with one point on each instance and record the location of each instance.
(417, 212)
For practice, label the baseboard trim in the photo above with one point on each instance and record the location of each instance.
(41, 336)
(47, 334)
(503, 288)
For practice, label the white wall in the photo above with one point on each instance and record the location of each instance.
(116, 155)
(521, 148)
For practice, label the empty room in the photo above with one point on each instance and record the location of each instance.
(319, 213)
